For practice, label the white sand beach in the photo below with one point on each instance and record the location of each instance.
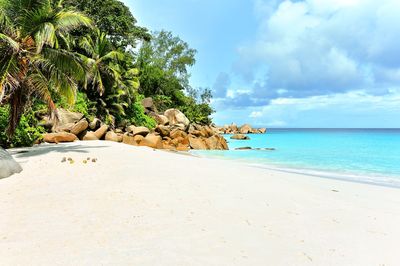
(139, 206)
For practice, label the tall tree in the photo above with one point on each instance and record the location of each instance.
(112, 79)
(164, 63)
(32, 62)
(113, 18)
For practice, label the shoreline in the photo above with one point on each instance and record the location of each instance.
(320, 173)
(137, 205)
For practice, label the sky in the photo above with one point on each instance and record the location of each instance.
(298, 63)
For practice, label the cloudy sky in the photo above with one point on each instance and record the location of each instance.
(310, 63)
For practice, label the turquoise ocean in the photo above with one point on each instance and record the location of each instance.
(361, 155)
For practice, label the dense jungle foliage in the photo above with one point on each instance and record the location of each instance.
(90, 57)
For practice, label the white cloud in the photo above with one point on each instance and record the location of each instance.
(350, 109)
(321, 47)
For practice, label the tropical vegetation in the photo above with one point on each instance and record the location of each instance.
(90, 57)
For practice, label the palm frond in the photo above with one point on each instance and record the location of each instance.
(64, 61)
(113, 55)
(65, 41)
(41, 86)
(98, 82)
(9, 42)
(86, 44)
(69, 20)
(45, 35)
(68, 88)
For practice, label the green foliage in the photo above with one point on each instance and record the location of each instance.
(52, 56)
(197, 107)
(82, 105)
(113, 18)
(198, 113)
(164, 64)
(33, 63)
(112, 80)
(162, 102)
(136, 115)
(26, 133)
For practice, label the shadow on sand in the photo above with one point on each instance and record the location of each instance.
(58, 148)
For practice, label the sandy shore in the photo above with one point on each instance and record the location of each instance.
(137, 206)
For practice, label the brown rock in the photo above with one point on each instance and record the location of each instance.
(90, 135)
(233, 128)
(182, 147)
(197, 133)
(143, 131)
(198, 127)
(66, 117)
(59, 137)
(240, 137)
(224, 143)
(119, 131)
(63, 128)
(162, 130)
(130, 129)
(176, 141)
(254, 131)
(95, 124)
(152, 141)
(206, 131)
(130, 140)
(161, 119)
(218, 130)
(245, 129)
(79, 127)
(180, 126)
(197, 143)
(176, 117)
(168, 146)
(262, 130)
(212, 143)
(148, 104)
(138, 138)
(191, 128)
(66, 120)
(216, 142)
(175, 133)
(112, 136)
(101, 131)
(185, 141)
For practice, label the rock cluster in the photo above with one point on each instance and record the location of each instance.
(173, 132)
(245, 129)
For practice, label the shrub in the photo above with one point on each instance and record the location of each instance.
(26, 133)
(82, 105)
(198, 113)
(135, 114)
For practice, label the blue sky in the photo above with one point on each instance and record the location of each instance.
(310, 63)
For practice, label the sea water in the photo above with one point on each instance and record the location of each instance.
(363, 155)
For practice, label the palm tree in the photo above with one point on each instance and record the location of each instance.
(110, 75)
(100, 57)
(34, 59)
